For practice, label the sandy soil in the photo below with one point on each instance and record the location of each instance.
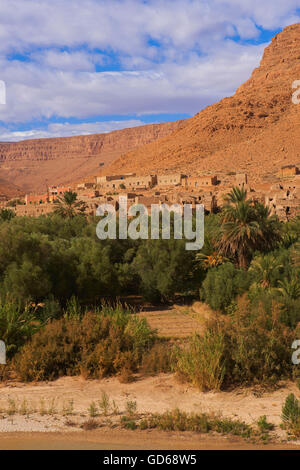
(47, 404)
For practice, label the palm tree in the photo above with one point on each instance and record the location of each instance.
(239, 233)
(68, 206)
(270, 226)
(290, 288)
(265, 269)
(236, 195)
(246, 227)
(295, 254)
(212, 260)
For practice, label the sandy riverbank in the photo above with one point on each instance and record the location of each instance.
(45, 408)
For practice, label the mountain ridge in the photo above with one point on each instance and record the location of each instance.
(31, 164)
(254, 131)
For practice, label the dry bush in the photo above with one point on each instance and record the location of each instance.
(4, 372)
(126, 376)
(96, 345)
(158, 359)
(90, 424)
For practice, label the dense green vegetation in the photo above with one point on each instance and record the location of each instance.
(56, 275)
(46, 257)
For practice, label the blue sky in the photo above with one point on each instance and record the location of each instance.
(76, 67)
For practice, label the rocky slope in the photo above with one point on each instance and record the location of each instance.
(31, 164)
(256, 130)
(9, 190)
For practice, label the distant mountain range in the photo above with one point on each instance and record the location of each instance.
(33, 164)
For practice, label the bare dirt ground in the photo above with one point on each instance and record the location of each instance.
(178, 321)
(47, 405)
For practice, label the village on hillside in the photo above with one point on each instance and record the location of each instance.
(282, 195)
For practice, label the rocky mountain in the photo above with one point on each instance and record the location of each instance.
(32, 164)
(9, 190)
(255, 131)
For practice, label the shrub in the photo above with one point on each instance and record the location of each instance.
(104, 403)
(223, 284)
(128, 423)
(131, 407)
(263, 424)
(158, 359)
(291, 415)
(96, 345)
(126, 376)
(177, 420)
(93, 410)
(250, 346)
(53, 352)
(90, 424)
(6, 215)
(257, 345)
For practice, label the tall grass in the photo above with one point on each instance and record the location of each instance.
(251, 346)
(201, 362)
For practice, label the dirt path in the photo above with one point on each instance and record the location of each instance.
(178, 321)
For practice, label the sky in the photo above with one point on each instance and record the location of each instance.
(73, 67)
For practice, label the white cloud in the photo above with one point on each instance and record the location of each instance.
(34, 91)
(124, 25)
(178, 54)
(67, 130)
(65, 61)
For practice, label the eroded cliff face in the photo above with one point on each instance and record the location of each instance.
(31, 164)
(256, 131)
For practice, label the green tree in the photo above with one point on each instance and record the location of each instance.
(164, 268)
(6, 214)
(245, 228)
(265, 269)
(69, 206)
(223, 284)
